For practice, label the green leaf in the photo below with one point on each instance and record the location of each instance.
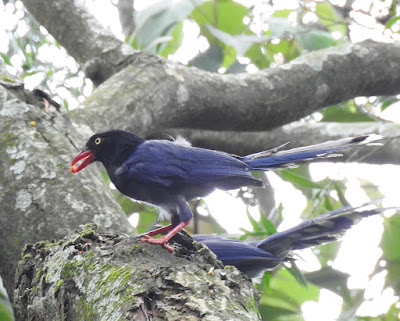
(391, 238)
(295, 271)
(282, 13)
(157, 21)
(26, 74)
(258, 56)
(346, 112)
(253, 222)
(298, 180)
(391, 22)
(333, 280)
(329, 18)
(286, 294)
(315, 40)
(241, 42)
(146, 220)
(267, 224)
(281, 27)
(226, 16)
(387, 101)
(236, 68)
(339, 188)
(6, 312)
(390, 245)
(173, 45)
(5, 58)
(209, 60)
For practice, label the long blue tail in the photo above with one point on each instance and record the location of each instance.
(274, 158)
(255, 258)
(325, 228)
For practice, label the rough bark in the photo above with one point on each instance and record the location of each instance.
(40, 199)
(153, 93)
(89, 276)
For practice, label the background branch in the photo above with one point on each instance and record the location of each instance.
(298, 134)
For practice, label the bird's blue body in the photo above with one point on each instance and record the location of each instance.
(254, 258)
(168, 175)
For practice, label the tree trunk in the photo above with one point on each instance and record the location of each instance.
(89, 276)
(40, 198)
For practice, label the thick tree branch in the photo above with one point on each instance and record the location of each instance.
(153, 93)
(94, 277)
(40, 198)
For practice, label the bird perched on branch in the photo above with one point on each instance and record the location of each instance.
(254, 258)
(168, 174)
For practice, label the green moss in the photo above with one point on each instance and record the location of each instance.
(85, 309)
(73, 267)
(9, 139)
(88, 230)
(39, 274)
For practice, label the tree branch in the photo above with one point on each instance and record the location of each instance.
(153, 93)
(89, 276)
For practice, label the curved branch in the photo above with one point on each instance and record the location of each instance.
(154, 93)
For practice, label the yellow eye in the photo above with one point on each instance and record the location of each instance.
(97, 141)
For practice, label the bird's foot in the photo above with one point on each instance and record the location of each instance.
(162, 241)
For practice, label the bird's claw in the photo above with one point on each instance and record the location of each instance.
(161, 241)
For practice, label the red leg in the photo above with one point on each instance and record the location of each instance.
(164, 239)
(161, 230)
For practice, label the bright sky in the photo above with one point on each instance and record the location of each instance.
(359, 252)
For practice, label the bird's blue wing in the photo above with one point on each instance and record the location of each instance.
(169, 164)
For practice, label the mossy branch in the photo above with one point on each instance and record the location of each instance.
(90, 276)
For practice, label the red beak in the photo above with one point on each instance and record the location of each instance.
(85, 155)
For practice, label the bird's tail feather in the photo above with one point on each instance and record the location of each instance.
(321, 229)
(275, 158)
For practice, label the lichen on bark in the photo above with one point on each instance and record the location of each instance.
(91, 276)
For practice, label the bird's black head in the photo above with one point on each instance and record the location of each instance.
(111, 147)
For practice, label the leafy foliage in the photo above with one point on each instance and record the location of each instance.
(6, 313)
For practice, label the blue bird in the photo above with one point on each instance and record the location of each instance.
(254, 258)
(168, 174)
